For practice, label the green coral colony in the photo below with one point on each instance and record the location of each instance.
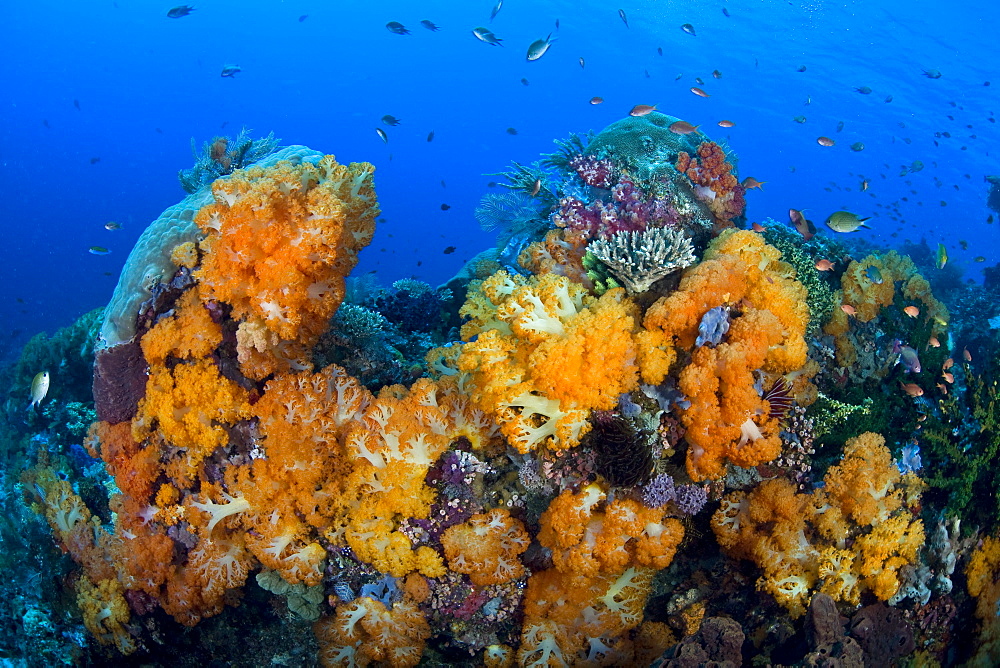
(639, 428)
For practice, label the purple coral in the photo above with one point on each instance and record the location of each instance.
(629, 210)
(690, 499)
(659, 491)
(594, 172)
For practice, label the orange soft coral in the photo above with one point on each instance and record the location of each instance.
(364, 631)
(800, 540)
(280, 241)
(546, 354)
(560, 252)
(189, 333)
(727, 419)
(487, 547)
(714, 181)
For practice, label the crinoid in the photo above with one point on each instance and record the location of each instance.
(624, 453)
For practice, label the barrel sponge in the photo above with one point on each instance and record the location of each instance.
(150, 260)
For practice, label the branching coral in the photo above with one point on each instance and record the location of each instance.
(639, 259)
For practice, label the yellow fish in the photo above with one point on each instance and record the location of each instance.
(39, 388)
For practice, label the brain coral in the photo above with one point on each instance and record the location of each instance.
(644, 143)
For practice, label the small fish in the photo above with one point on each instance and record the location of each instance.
(943, 388)
(912, 389)
(390, 120)
(916, 166)
(679, 77)
(725, 12)
(750, 183)
(942, 256)
(864, 90)
(642, 110)
(699, 92)
(659, 50)
(94, 161)
(874, 274)
(845, 221)
(303, 18)
(496, 9)
(430, 25)
(430, 136)
(800, 68)
(948, 363)
(112, 225)
(864, 185)
(726, 124)
(582, 63)
(857, 147)
(964, 244)
(682, 128)
(512, 131)
(808, 101)
(621, 15)
(699, 81)
(486, 35)
(646, 74)
(966, 354)
(979, 258)
(525, 82)
(824, 265)
(840, 126)
(689, 29)
(382, 135)
(99, 250)
(757, 227)
(848, 309)
(445, 207)
(825, 141)
(596, 100)
(536, 188)
(802, 226)
(910, 359)
(538, 48)
(397, 28)
(948, 377)
(230, 71)
(39, 388)
(912, 311)
(888, 99)
(933, 342)
(799, 119)
(932, 74)
(449, 250)
(179, 11)
(717, 74)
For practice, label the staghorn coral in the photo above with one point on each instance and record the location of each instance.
(639, 259)
(727, 419)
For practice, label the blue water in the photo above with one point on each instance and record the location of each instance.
(122, 83)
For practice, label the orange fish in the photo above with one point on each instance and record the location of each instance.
(848, 309)
(825, 141)
(699, 92)
(949, 377)
(823, 265)
(911, 311)
(597, 100)
(642, 109)
(750, 183)
(948, 363)
(757, 227)
(912, 389)
(966, 354)
(682, 128)
(803, 226)
(933, 342)
(726, 124)
(943, 388)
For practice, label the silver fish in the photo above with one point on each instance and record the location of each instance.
(538, 48)
(486, 35)
(231, 70)
(496, 9)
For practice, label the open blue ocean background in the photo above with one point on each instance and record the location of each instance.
(101, 101)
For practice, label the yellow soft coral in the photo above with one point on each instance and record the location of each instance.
(727, 419)
(546, 354)
(365, 631)
(105, 612)
(280, 241)
(189, 333)
(800, 541)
